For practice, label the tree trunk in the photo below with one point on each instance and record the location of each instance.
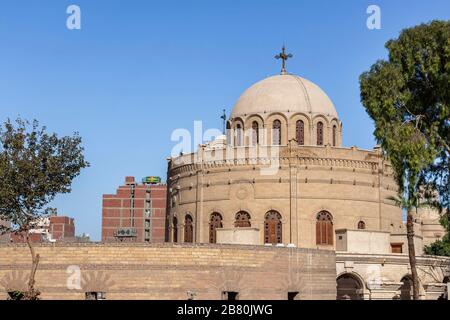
(412, 253)
(32, 293)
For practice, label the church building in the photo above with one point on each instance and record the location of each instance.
(281, 176)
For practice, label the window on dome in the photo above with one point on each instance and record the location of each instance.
(300, 132)
(334, 135)
(238, 134)
(276, 133)
(229, 140)
(319, 133)
(255, 133)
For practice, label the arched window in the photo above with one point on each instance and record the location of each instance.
(175, 229)
(255, 133)
(238, 134)
(214, 223)
(273, 227)
(276, 133)
(324, 228)
(188, 229)
(229, 140)
(319, 133)
(334, 135)
(300, 132)
(361, 225)
(242, 220)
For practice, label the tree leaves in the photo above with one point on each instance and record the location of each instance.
(34, 167)
(408, 97)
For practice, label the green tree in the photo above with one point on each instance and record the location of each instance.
(441, 247)
(408, 97)
(34, 167)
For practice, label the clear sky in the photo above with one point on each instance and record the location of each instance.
(137, 70)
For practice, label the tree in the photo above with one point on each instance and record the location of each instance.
(408, 97)
(34, 167)
(441, 247)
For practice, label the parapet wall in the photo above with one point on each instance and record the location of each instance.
(170, 271)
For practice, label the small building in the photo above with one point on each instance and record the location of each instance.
(49, 229)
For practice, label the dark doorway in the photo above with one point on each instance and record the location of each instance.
(293, 295)
(406, 288)
(349, 287)
(230, 295)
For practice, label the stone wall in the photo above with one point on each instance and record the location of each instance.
(169, 271)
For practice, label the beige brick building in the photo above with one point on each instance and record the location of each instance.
(280, 176)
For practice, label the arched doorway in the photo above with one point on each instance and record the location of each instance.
(273, 227)
(214, 222)
(349, 287)
(406, 290)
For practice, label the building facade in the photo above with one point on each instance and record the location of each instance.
(281, 176)
(135, 213)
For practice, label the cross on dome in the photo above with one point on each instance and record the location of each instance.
(283, 56)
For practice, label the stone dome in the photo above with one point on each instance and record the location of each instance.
(284, 94)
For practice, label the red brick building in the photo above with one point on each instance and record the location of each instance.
(61, 228)
(136, 213)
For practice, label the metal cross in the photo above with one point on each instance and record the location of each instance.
(283, 56)
(224, 119)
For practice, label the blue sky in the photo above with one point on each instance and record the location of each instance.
(137, 70)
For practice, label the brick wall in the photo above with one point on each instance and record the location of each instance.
(169, 271)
